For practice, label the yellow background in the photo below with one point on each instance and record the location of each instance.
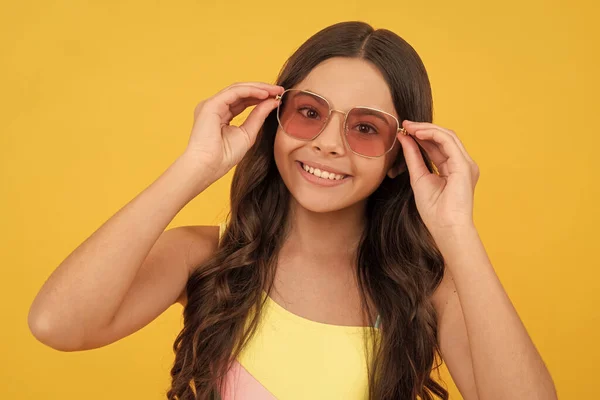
(97, 101)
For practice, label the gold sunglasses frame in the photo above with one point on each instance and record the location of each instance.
(399, 129)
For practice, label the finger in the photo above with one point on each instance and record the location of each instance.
(257, 117)
(425, 148)
(435, 155)
(456, 160)
(220, 104)
(414, 160)
(242, 92)
(474, 168)
(272, 89)
(240, 105)
(460, 145)
(420, 125)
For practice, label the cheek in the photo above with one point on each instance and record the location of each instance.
(278, 152)
(283, 143)
(282, 147)
(370, 171)
(277, 145)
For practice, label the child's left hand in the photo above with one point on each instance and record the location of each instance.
(444, 201)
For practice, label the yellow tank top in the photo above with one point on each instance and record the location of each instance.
(294, 358)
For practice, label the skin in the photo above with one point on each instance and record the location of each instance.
(483, 341)
(316, 270)
(484, 344)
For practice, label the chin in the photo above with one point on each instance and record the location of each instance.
(317, 205)
(321, 202)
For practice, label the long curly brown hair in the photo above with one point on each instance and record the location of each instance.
(398, 265)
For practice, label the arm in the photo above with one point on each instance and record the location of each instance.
(483, 341)
(122, 276)
(130, 270)
(453, 338)
(500, 360)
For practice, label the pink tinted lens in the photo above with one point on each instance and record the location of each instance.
(370, 132)
(302, 114)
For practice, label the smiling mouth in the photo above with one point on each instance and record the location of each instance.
(323, 174)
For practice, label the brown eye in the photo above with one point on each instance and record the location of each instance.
(366, 129)
(309, 113)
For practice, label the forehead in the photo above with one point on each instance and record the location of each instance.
(349, 82)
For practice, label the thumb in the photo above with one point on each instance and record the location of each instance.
(257, 117)
(412, 155)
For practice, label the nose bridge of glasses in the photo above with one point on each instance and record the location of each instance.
(344, 113)
(342, 119)
(329, 123)
(338, 130)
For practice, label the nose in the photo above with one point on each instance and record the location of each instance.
(331, 139)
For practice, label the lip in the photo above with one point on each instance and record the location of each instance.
(323, 167)
(320, 181)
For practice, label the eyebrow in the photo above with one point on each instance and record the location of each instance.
(369, 111)
(375, 114)
(319, 99)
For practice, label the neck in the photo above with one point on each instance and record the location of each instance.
(325, 238)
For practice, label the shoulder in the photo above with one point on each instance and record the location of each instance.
(198, 243)
(201, 242)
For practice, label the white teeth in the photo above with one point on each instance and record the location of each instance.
(322, 174)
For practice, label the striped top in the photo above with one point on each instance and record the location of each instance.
(293, 358)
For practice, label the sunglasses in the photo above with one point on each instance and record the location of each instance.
(369, 132)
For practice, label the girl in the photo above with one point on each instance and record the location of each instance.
(349, 263)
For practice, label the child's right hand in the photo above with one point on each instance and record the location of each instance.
(214, 144)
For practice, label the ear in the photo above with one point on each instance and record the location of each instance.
(398, 168)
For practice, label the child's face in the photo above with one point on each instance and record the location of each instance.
(345, 83)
